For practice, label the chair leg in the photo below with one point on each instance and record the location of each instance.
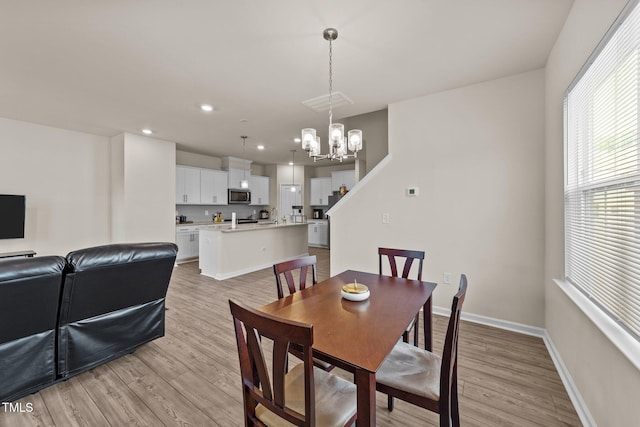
(390, 403)
(415, 330)
(405, 336)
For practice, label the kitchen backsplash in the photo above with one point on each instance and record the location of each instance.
(197, 213)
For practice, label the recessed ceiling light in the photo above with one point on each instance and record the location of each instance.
(147, 131)
(296, 140)
(260, 147)
(290, 163)
(244, 120)
(206, 107)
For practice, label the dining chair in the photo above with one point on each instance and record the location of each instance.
(409, 256)
(286, 398)
(423, 378)
(287, 269)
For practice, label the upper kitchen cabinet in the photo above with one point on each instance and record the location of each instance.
(236, 176)
(213, 187)
(339, 178)
(320, 190)
(187, 185)
(239, 170)
(259, 186)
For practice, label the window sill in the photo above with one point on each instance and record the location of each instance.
(620, 338)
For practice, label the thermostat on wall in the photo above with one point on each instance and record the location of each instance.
(413, 191)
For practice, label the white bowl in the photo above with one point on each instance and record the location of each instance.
(355, 297)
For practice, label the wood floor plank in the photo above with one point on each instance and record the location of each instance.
(191, 376)
(31, 411)
(70, 405)
(211, 397)
(167, 404)
(115, 400)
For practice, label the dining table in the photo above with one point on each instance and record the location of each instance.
(358, 335)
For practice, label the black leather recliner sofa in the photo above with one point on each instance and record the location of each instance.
(29, 295)
(113, 301)
(61, 317)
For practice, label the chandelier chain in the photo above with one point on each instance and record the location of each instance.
(330, 82)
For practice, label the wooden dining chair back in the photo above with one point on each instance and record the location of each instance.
(424, 379)
(287, 269)
(409, 257)
(283, 396)
(394, 255)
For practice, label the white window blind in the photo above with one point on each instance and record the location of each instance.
(602, 176)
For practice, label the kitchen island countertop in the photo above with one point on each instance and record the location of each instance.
(226, 228)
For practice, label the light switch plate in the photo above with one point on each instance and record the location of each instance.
(446, 278)
(385, 218)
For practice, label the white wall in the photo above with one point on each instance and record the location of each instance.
(607, 381)
(477, 155)
(65, 177)
(143, 182)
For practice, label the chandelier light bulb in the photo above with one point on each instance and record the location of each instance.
(308, 138)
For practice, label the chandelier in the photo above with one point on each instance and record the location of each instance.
(338, 143)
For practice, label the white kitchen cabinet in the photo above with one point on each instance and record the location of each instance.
(323, 233)
(318, 233)
(319, 192)
(339, 178)
(188, 243)
(213, 187)
(259, 186)
(187, 185)
(236, 175)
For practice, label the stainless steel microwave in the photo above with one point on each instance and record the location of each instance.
(239, 196)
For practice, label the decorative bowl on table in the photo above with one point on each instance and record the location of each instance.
(355, 291)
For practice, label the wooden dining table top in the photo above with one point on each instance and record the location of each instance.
(359, 334)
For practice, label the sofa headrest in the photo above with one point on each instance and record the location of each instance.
(86, 259)
(23, 268)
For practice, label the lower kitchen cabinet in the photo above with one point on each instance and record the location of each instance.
(319, 233)
(187, 239)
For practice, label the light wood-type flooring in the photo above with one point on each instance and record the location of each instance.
(190, 377)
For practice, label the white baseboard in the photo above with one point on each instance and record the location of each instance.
(575, 396)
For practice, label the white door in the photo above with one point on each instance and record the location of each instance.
(289, 198)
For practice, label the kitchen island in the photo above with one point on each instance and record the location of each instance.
(227, 252)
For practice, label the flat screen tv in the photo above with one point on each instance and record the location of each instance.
(12, 210)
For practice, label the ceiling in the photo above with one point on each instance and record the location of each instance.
(118, 66)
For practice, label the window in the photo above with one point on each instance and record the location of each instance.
(602, 175)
